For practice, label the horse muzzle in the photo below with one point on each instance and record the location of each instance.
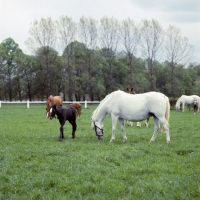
(100, 137)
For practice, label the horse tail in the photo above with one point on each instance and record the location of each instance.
(167, 112)
(198, 104)
(79, 110)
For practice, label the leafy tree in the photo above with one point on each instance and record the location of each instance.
(46, 57)
(9, 52)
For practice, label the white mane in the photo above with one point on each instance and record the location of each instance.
(101, 104)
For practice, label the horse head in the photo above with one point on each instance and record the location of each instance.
(130, 91)
(49, 105)
(98, 131)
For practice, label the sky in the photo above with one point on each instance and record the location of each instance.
(16, 16)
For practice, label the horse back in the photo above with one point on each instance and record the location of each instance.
(77, 106)
(69, 113)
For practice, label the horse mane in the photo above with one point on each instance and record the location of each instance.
(178, 101)
(101, 104)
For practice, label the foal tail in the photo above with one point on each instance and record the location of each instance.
(167, 112)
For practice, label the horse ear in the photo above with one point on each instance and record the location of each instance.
(54, 106)
(131, 89)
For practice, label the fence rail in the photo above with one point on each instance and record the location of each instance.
(28, 103)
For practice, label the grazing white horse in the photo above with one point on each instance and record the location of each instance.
(121, 105)
(184, 99)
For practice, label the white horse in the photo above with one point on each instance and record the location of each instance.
(138, 107)
(184, 99)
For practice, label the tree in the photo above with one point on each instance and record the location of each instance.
(130, 36)
(43, 41)
(46, 58)
(9, 52)
(109, 38)
(88, 35)
(67, 31)
(151, 43)
(178, 51)
(27, 69)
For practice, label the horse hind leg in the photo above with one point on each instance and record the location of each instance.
(121, 121)
(73, 123)
(156, 129)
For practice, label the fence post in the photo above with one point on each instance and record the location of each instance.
(0, 104)
(85, 103)
(28, 104)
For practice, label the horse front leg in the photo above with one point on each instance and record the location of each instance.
(156, 129)
(114, 124)
(183, 107)
(121, 121)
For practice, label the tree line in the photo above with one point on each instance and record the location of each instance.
(89, 59)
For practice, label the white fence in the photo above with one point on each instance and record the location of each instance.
(28, 103)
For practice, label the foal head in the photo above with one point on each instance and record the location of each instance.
(52, 112)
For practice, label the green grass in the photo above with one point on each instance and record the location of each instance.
(34, 165)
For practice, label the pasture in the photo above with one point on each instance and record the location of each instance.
(35, 165)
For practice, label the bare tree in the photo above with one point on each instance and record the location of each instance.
(178, 51)
(130, 36)
(88, 35)
(151, 43)
(109, 38)
(67, 32)
(43, 41)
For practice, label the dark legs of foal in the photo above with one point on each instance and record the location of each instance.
(61, 133)
(73, 123)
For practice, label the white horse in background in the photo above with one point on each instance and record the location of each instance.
(121, 105)
(184, 99)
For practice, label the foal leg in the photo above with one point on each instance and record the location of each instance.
(61, 130)
(121, 121)
(61, 133)
(73, 123)
(156, 129)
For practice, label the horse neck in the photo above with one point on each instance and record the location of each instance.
(178, 102)
(99, 115)
(58, 112)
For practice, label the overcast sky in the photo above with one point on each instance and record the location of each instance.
(16, 15)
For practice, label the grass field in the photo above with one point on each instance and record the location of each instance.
(34, 165)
